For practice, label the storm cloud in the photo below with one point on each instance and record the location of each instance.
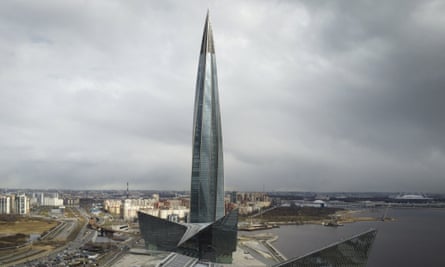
(315, 96)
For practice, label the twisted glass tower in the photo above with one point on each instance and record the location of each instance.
(207, 188)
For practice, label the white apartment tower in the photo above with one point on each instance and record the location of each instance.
(5, 204)
(21, 204)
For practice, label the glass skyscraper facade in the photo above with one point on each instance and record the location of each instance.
(207, 187)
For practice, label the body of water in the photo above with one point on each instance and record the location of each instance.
(415, 238)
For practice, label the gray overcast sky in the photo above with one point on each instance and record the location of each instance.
(315, 95)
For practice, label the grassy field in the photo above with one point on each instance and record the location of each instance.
(10, 225)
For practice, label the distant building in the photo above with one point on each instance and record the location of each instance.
(21, 204)
(243, 197)
(130, 207)
(251, 202)
(14, 204)
(51, 200)
(42, 199)
(412, 198)
(127, 209)
(13, 207)
(233, 197)
(315, 204)
(87, 203)
(5, 204)
(71, 202)
(113, 206)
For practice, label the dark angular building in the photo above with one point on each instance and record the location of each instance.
(352, 252)
(213, 242)
(207, 188)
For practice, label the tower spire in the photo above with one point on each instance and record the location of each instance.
(207, 45)
(128, 192)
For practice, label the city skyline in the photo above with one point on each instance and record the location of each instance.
(316, 97)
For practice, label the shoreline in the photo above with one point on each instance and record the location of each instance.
(339, 218)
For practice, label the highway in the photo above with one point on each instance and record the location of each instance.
(59, 233)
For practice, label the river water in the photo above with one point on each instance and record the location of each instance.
(416, 238)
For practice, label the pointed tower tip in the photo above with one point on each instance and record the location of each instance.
(207, 45)
(207, 21)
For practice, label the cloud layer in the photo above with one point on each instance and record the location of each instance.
(336, 96)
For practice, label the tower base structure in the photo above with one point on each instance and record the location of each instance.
(214, 242)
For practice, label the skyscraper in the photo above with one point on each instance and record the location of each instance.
(210, 235)
(207, 188)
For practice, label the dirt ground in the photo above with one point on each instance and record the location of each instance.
(24, 225)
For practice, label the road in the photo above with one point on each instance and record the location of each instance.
(61, 233)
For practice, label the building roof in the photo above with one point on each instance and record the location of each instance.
(192, 230)
(411, 196)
